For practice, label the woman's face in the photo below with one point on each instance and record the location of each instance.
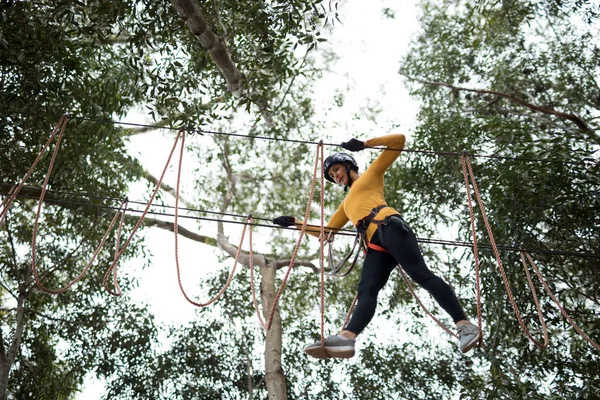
(337, 172)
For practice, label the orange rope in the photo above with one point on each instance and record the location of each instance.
(7, 202)
(410, 288)
(113, 268)
(118, 254)
(302, 230)
(475, 252)
(350, 311)
(175, 230)
(60, 126)
(560, 307)
(538, 307)
(322, 240)
(466, 165)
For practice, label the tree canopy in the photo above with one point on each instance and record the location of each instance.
(516, 80)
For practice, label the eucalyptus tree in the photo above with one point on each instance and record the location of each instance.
(516, 80)
(96, 61)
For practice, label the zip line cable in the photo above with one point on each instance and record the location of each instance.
(584, 162)
(342, 232)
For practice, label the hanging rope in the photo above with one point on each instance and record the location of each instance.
(12, 194)
(59, 127)
(113, 267)
(120, 252)
(560, 307)
(475, 252)
(267, 326)
(350, 311)
(411, 289)
(322, 240)
(468, 171)
(181, 134)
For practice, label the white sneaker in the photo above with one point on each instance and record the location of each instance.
(335, 346)
(468, 336)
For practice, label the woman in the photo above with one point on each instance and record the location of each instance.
(395, 243)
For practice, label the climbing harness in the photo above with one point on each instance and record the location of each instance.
(363, 224)
(361, 237)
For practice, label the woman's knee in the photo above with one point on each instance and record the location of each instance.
(369, 289)
(425, 278)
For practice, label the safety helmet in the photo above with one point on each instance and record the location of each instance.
(338, 158)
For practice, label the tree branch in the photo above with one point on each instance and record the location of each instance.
(12, 352)
(259, 260)
(191, 14)
(298, 263)
(152, 179)
(170, 226)
(581, 124)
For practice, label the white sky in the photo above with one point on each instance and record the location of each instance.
(369, 46)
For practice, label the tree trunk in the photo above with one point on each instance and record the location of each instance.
(220, 54)
(7, 358)
(191, 14)
(274, 376)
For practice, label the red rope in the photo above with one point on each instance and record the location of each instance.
(7, 202)
(268, 325)
(560, 307)
(113, 268)
(410, 288)
(60, 126)
(350, 311)
(538, 307)
(475, 251)
(466, 164)
(175, 230)
(322, 240)
(118, 254)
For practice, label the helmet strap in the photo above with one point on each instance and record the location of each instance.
(349, 177)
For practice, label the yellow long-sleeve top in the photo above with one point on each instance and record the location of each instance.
(366, 192)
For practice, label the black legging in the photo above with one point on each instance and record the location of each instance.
(401, 242)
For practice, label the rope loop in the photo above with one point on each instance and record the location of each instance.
(60, 127)
(526, 256)
(317, 167)
(14, 191)
(468, 173)
(113, 267)
(181, 134)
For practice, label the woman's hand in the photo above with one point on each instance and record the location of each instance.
(285, 220)
(354, 145)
